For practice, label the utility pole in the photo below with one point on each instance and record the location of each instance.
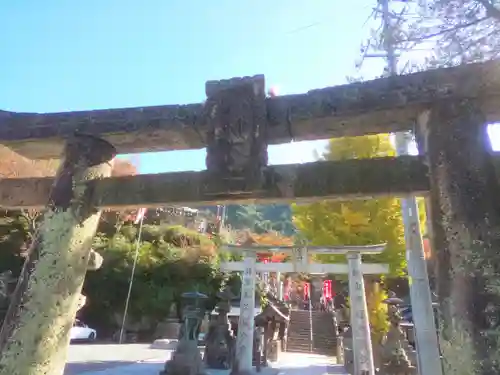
(223, 216)
(429, 361)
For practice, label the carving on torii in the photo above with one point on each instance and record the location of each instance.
(235, 115)
(300, 259)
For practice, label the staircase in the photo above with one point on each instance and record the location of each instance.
(299, 332)
(324, 335)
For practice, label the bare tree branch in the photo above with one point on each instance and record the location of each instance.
(491, 10)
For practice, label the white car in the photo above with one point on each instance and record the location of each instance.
(82, 332)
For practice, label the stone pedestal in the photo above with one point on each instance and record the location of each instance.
(274, 351)
(169, 329)
(348, 352)
(340, 348)
(186, 360)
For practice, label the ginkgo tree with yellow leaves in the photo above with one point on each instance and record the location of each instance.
(357, 222)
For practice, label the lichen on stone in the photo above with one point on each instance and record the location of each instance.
(35, 334)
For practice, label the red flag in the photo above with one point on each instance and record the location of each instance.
(306, 290)
(327, 289)
(286, 294)
(140, 215)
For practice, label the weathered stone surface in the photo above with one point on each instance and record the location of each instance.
(379, 106)
(395, 349)
(465, 188)
(219, 340)
(235, 114)
(186, 360)
(35, 333)
(296, 182)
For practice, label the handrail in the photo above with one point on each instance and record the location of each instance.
(311, 325)
(276, 310)
(338, 337)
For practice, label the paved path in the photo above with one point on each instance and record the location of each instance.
(88, 358)
(308, 364)
(289, 364)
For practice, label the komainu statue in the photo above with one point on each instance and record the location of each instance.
(220, 341)
(186, 360)
(395, 346)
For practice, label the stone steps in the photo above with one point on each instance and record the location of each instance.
(299, 333)
(324, 334)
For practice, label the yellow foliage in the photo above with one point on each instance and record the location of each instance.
(377, 310)
(357, 222)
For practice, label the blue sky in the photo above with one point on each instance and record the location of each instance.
(76, 55)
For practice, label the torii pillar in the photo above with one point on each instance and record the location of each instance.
(361, 338)
(246, 324)
(36, 331)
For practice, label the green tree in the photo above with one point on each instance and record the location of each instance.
(249, 216)
(172, 260)
(259, 218)
(356, 222)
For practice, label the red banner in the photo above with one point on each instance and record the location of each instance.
(327, 289)
(286, 291)
(306, 291)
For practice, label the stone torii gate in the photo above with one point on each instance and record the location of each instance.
(448, 110)
(362, 345)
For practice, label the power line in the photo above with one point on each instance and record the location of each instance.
(302, 28)
(429, 362)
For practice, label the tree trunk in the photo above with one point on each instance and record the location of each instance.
(466, 228)
(35, 333)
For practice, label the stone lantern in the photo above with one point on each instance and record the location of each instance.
(186, 360)
(395, 346)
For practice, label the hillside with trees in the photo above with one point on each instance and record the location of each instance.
(259, 218)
